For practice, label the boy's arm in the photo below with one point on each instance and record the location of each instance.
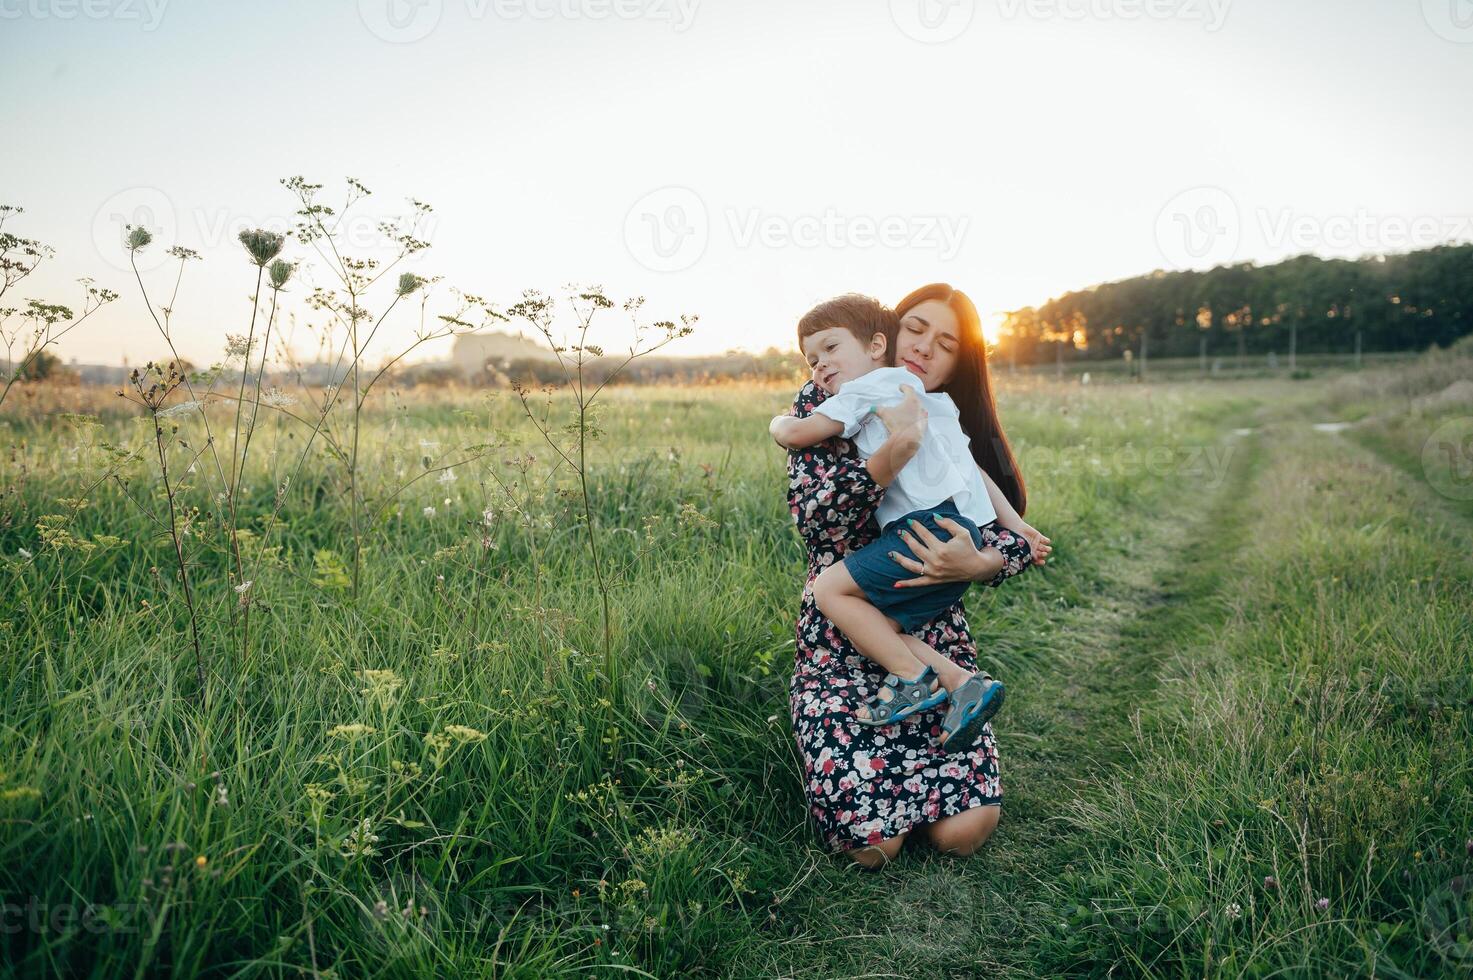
(1009, 518)
(796, 433)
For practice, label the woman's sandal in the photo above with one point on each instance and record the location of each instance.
(909, 697)
(972, 706)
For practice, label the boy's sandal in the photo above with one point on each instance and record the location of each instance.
(908, 697)
(972, 706)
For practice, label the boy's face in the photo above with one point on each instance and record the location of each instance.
(835, 356)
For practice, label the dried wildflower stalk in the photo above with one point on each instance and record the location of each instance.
(540, 312)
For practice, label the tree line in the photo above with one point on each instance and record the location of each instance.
(1309, 304)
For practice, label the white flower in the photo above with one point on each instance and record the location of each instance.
(183, 408)
(23, 553)
(487, 516)
(447, 475)
(429, 512)
(360, 841)
(276, 398)
(243, 587)
(1234, 911)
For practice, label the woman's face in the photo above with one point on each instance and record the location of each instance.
(928, 343)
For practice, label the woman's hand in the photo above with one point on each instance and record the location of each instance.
(953, 560)
(906, 423)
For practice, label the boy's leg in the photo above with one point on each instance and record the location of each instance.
(873, 633)
(950, 675)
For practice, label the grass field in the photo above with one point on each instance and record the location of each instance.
(1238, 740)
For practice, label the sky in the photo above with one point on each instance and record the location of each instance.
(736, 159)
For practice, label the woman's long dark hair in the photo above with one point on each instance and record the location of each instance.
(971, 388)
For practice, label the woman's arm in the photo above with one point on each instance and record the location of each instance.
(958, 560)
(827, 489)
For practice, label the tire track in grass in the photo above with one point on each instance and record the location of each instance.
(1087, 700)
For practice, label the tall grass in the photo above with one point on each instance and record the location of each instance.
(432, 778)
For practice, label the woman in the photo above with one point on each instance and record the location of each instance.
(868, 787)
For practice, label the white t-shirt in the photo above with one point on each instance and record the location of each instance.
(942, 468)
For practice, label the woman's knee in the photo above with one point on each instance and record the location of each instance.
(873, 856)
(963, 834)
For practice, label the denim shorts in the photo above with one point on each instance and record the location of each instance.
(875, 572)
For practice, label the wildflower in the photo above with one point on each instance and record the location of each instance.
(487, 516)
(350, 733)
(280, 271)
(1322, 904)
(383, 685)
(447, 475)
(262, 246)
(464, 734)
(360, 841)
(429, 512)
(1270, 882)
(1234, 911)
(276, 398)
(406, 770)
(244, 587)
(183, 408)
(201, 861)
(24, 553)
(380, 910)
(408, 283)
(222, 796)
(138, 238)
(238, 346)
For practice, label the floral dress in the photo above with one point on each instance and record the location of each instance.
(866, 784)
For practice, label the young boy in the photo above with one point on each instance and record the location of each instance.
(847, 343)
